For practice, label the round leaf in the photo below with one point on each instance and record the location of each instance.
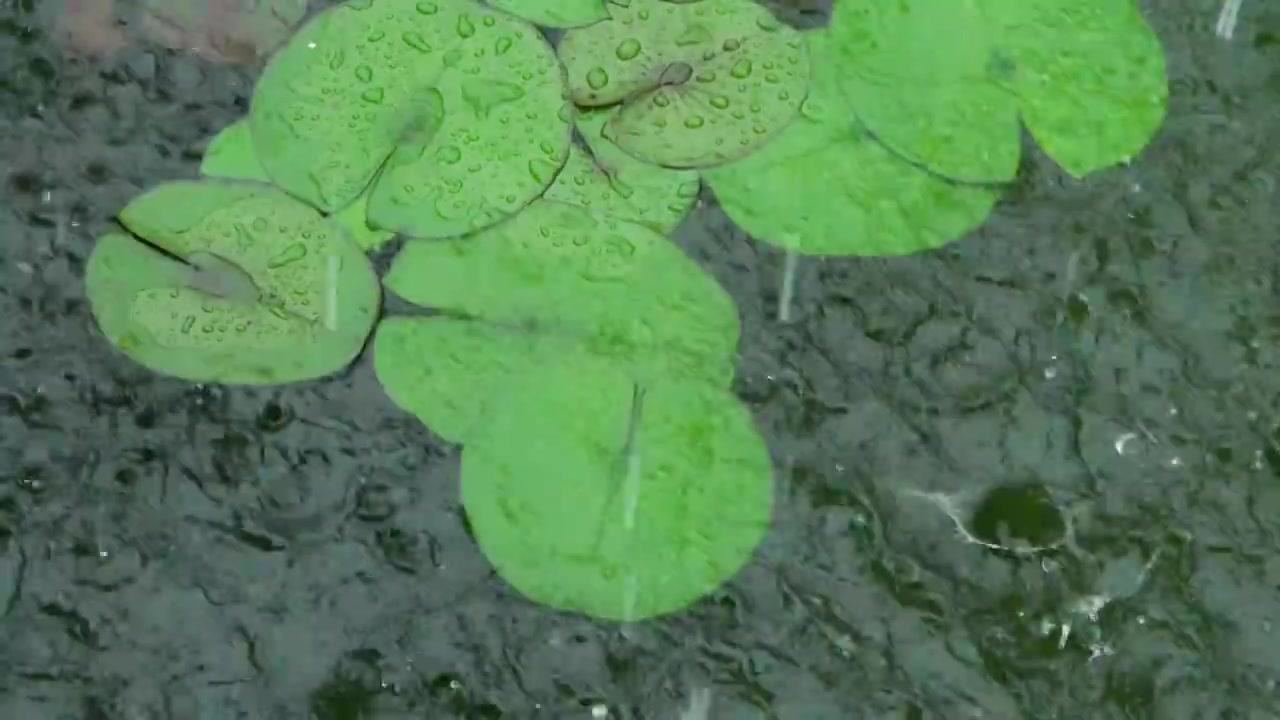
(699, 83)
(825, 187)
(455, 112)
(1087, 77)
(445, 371)
(270, 292)
(622, 290)
(1090, 78)
(581, 511)
(924, 77)
(555, 13)
(231, 155)
(603, 179)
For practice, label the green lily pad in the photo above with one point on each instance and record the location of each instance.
(700, 83)
(825, 187)
(445, 371)
(455, 114)
(618, 290)
(587, 502)
(312, 296)
(231, 155)
(605, 180)
(555, 13)
(943, 82)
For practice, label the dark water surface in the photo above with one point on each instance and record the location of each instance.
(1094, 369)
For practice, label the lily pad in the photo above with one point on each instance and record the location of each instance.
(454, 113)
(826, 187)
(605, 180)
(618, 290)
(944, 82)
(313, 299)
(699, 83)
(587, 501)
(555, 13)
(445, 371)
(230, 154)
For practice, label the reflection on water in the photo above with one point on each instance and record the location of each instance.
(220, 31)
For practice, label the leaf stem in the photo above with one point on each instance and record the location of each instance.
(788, 287)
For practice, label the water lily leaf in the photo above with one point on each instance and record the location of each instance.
(699, 83)
(446, 371)
(420, 100)
(176, 301)
(230, 154)
(618, 290)
(1088, 77)
(555, 13)
(586, 500)
(605, 180)
(825, 187)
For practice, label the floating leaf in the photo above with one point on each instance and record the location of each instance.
(1088, 78)
(616, 289)
(445, 371)
(586, 501)
(825, 187)
(555, 13)
(700, 83)
(186, 312)
(455, 113)
(605, 180)
(231, 155)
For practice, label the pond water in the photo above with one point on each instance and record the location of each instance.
(1033, 473)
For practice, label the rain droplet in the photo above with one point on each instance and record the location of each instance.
(372, 95)
(427, 8)
(488, 21)
(188, 323)
(693, 35)
(741, 69)
(661, 100)
(465, 27)
(293, 253)
(771, 77)
(259, 224)
(364, 73)
(731, 45)
(759, 129)
(719, 102)
(693, 122)
(449, 154)
(336, 59)
(502, 46)
(706, 76)
(597, 78)
(628, 49)
(416, 41)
